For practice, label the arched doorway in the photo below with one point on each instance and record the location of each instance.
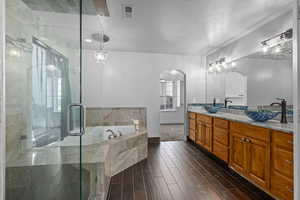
(172, 105)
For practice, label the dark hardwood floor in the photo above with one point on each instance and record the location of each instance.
(180, 171)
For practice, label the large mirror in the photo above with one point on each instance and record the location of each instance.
(254, 80)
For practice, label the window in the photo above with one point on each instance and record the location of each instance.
(50, 93)
(178, 83)
(170, 95)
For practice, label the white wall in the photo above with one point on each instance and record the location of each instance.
(131, 79)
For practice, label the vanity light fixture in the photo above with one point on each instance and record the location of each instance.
(218, 65)
(277, 41)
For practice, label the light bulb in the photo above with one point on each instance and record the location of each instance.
(278, 49)
(218, 68)
(174, 72)
(101, 56)
(88, 40)
(211, 69)
(15, 53)
(233, 64)
(265, 49)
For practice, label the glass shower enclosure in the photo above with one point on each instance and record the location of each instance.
(44, 106)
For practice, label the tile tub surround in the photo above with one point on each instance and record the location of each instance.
(271, 124)
(100, 162)
(116, 116)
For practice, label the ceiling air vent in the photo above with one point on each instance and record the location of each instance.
(127, 11)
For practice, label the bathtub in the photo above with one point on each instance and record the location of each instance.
(94, 135)
(101, 159)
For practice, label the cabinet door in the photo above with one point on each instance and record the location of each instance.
(238, 153)
(208, 137)
(258, 162)
(200, 134)
(192, 135)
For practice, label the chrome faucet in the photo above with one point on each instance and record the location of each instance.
(283, 109)
(214, 102)
(226, 102)
(112, 134)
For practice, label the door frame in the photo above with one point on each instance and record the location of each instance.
(2, 102)
(296, 95)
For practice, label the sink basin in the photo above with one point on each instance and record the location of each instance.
(212, 109)
(261, 116)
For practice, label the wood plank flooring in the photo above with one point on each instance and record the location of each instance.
(180, 171)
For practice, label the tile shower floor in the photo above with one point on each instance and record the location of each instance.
(171, 132)
(180, 171)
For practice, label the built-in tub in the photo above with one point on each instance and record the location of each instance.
(101, 159)
(95, 135)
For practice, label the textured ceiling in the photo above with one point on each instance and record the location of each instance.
(170, 26)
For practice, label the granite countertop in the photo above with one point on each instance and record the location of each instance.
(271, 124)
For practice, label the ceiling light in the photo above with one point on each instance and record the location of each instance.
(101, 56)
(88, 40)
(233, 64)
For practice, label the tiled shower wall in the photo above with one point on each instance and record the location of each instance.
(18, 74)
(115, 116)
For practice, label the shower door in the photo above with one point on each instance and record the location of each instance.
(45, 117)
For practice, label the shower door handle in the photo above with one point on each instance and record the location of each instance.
(74, 130)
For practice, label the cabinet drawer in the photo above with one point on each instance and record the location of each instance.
(192, 135)
(221, 123)
(221, 151)
(282, 161)
(251, 131)
(281, 187)
(282, 140)
(221, 135)
(192, 115)
(192, 124)
(204, 119)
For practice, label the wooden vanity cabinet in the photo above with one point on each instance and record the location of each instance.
(221, 139)
(282, 165)
(192, 126)
(204, 131)
(250, 152)
(261, 155)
